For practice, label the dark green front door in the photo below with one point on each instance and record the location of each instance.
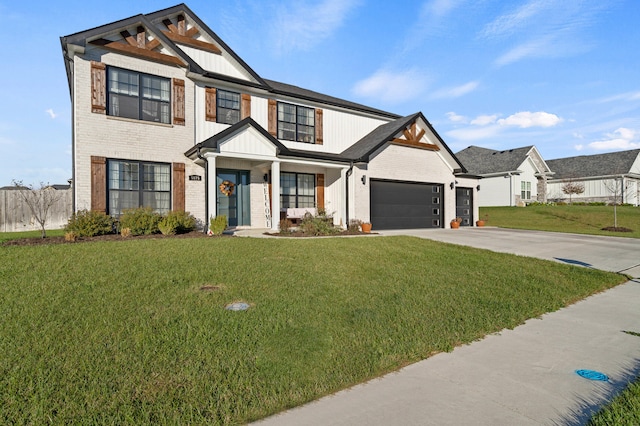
(233, 196)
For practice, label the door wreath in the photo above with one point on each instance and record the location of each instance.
(227, 187)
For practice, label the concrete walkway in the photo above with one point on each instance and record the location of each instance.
(525, 376)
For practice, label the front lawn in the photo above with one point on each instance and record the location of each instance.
(565, 218)
(137, 332)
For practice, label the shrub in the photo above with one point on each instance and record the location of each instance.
(317, 225)
(354, 225)
(217, 225)
(285, 226)
(141, 221)
(177, 222)
(87, 223)
(125, 232)
(70, 236)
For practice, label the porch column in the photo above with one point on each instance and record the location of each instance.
(343, 197)
(212, 186)
(275, 195)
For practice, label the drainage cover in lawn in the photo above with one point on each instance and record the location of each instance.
(237, 306)
(593, 375)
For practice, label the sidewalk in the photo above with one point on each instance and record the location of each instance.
(524, 376)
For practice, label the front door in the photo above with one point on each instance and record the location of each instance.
(233, 196)
(464, 205)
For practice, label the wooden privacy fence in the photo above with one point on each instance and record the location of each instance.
(16, 216)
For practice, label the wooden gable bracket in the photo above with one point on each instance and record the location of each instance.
(180, 34)
(413, 137)
(138, 46)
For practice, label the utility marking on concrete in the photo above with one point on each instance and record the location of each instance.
(593, 375)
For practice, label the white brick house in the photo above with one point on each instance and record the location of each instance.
(166, 115)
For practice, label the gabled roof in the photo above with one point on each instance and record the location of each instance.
(484, 161)
(612, 163)
(212, 143)
(154, 23)
(362, 150)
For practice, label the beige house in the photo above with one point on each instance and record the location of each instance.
(166, 115)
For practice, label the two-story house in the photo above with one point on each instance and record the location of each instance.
(166, 115)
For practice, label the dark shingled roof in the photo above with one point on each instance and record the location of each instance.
(612, 163)
(298, 92)
(374, 140)
(483, 161)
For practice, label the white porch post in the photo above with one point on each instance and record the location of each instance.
(343, 196)
(212, 186)
(275, 195)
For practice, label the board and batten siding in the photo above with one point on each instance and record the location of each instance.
(221, 64)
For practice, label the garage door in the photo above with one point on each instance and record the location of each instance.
(405, 205)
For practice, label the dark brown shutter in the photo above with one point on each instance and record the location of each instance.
(273, 117)
(178, 102)
(320, 191)
(210, 103)
(99, 184)
(245, 106)
(178, 187)
(98, 87)
(319, 138)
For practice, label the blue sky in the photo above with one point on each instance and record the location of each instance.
(559, 74)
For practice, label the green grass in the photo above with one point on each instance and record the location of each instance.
(120, 332)
(6, 236)
(573, 219)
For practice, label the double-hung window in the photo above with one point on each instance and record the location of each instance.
(138, 96)
(525, 190)
(228, 107)
(296, 123)
(133, 184)
(297, 190)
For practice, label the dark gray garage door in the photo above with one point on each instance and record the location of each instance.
(405, 205)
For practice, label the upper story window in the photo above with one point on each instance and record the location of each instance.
(228, 107)
(296, 123)
(138, 96)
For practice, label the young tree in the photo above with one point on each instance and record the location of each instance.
(571, 187)
(617, 189)
(39, 200)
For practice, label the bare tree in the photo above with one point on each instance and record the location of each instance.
(571, 187)
(39, 200)
(617, 189)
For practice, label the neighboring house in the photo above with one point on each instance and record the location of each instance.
(509, 178)
(610, 177)
(166, 115)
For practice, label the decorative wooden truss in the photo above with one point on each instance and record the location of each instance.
(138, 45)
(412, 137)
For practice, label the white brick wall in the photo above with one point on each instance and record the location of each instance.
(111, 137)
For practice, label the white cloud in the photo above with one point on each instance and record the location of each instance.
(301, 25)
(392, 87)
(456, 118)
(483, 120)
(474, 133)
(578, 147)
(628, 96)
(456, 92)
(52, 114)
(620, 139)
(534, 48)
(527, 119)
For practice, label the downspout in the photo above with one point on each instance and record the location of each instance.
(206, 189)
(349, 172)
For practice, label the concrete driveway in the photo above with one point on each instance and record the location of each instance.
(615, 254)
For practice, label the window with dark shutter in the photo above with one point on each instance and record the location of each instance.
(178, 102)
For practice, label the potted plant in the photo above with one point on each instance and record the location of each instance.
(482, 221)
(455, 223)
(366, 227)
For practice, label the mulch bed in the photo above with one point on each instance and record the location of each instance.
(617, 229)
(109, 237)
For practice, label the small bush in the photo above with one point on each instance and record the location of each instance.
(354, 225)
(286, 226)
(317, 225)
(141, 221)
(87, 223)
(177, 222)
(125, 232)
(70, 236)
(217, 224)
